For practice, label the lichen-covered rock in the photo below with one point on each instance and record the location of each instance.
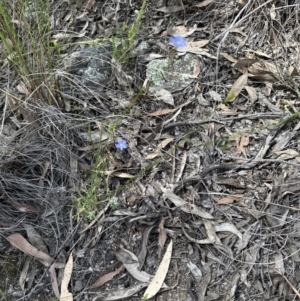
(91, 65)
(172, 74)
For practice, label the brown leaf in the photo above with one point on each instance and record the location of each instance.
(162, 233)
(23, 207)
(162, 112)
(35, 238)
(107, 277)
(228, 57)
(244, 63)
(196, 70)
(198, 44)
(263, 76)
(160, 146)
(19, 242)
(229, 199)
(241, 142)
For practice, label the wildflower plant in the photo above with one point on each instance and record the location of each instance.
(178, 41)
(121, 144)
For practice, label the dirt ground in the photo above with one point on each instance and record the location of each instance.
(210, 169)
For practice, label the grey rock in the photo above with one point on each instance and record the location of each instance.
(90, 66)
(172, 74)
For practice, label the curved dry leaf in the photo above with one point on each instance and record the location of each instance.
(24, 272)
(244, 63)
(236, 88)
(54, 280)
(252, 93)
(120, 294)
(160, 146)
(162, 112)
(107, 277)
(160, 274)
(210, 232)
(23, 207)
(227, 227)
(35, 238)
(183, 205)
(196, 272)
(89, 4)
(241, 142)
(228, 57)
(181, 30)
(196, 70)
(65, 295)
(162, 94)
(198, 44)
(19, 242)
(131, 264)
(162, 233)
(229, 199)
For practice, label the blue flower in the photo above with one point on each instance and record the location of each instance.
(178, 41)
(121, 144)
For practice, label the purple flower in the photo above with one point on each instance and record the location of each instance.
(178, 41)
(121, 144)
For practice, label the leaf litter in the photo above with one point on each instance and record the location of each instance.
(234, 201)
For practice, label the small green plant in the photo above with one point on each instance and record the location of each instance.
(114, 203)
(144, 298)
(86, 204)
(122, 47)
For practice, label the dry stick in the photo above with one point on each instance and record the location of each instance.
(264, 161)
(223, 120)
